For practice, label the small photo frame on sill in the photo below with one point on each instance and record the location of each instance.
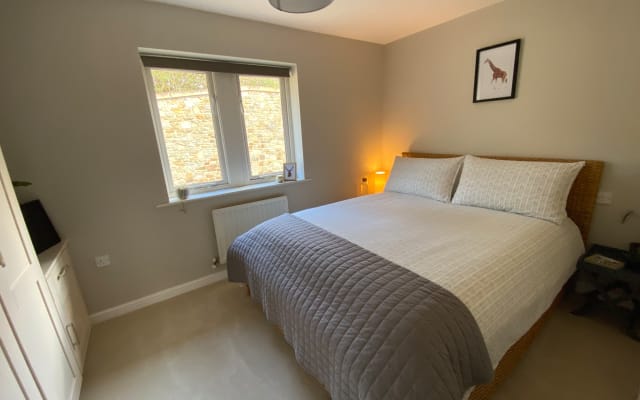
(496, 72)
(289, 171)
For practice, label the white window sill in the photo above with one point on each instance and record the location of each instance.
(230, 191)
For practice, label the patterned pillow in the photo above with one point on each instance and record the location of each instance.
(427, 177)
(532, 188)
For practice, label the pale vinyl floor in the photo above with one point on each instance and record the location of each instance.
(214, 343)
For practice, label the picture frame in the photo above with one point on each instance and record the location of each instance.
(289, 171)
(496, 72)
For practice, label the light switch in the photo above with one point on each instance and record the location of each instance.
(605, 198)
(103, 261)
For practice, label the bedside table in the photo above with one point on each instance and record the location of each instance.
(613, 287)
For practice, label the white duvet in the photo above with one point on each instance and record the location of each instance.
(506, 268)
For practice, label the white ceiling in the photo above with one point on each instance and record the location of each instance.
(378, 21)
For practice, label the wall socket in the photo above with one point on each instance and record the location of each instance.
(605, 198)
(103, 261)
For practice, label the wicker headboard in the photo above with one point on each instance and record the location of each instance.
(582, 197)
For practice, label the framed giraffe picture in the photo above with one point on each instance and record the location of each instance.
(496, 72)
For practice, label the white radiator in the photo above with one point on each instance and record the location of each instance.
(231, 222)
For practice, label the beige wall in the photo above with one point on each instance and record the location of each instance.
(578, 93)
(74, 120)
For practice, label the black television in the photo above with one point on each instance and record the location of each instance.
(43, 234)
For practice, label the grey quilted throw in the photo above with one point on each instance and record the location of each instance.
(365, 327)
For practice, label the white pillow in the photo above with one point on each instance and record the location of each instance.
(427, 177)
(533, 188)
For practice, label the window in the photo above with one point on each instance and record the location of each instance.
(221, 124)
(264, 124)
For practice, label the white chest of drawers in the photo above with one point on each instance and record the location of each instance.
(61, 278)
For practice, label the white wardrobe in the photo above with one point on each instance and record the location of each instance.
(38, 359)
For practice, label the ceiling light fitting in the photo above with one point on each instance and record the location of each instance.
(299, 6)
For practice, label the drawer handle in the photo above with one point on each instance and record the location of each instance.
(63, 272)
(73, 335)
(2, 263)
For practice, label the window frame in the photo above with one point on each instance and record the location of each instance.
(162, 146)
(287, 127)
(235, 172)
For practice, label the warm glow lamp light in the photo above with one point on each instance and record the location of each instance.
(379, 180)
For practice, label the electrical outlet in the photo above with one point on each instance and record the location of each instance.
(103, 261)
(605, 198)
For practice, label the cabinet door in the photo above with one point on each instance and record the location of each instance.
(9, 384)
(64, 288)
(27, 302)
(79, 326)
(16, 381)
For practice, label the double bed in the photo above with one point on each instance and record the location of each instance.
(503, 269)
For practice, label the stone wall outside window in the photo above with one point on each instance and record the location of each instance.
(190, 139)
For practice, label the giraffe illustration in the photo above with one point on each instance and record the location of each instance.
(497, 72)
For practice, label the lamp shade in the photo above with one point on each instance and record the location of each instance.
(379, 180)
(299, 6)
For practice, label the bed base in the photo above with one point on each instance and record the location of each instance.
(514, 355)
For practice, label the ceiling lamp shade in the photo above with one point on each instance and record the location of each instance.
(299, 6)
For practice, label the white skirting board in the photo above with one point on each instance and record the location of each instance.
(157, 297)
